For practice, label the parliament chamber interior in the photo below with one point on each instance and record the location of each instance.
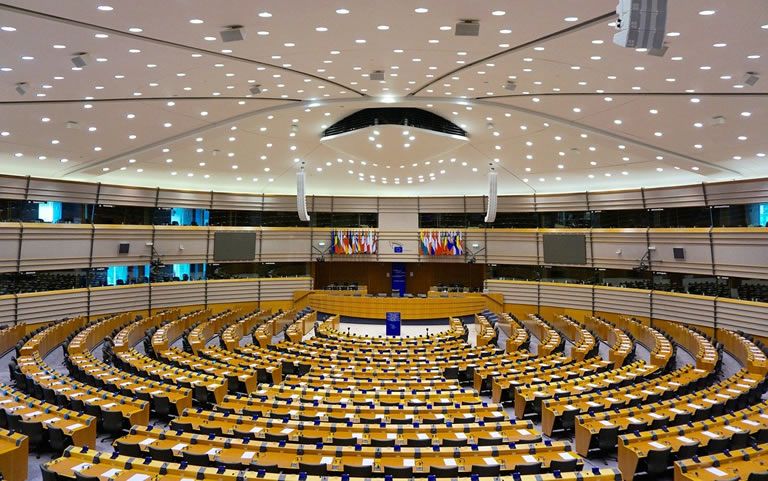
(341, 240)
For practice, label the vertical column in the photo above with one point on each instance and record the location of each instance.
(207, 252)
(18, 256)
(152, 253)
(90, 255)
(712, 258)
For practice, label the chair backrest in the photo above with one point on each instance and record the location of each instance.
(356, 471)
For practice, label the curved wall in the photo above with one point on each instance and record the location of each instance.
(705, 194)
(40, 307)
(520, 298)
(737, 252)
(577, 300)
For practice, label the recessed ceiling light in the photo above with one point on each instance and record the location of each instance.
(498, 13)
(746, 114)
(342, 11)
(105, 8)
(673, 34)
(321, 29)
(6, 28)
(101, 35)
(135, 30)
(383, 27)
(421, 10)
(719, 45)
(196, 21)
(265, 14)
(706, 12)
(571, 19)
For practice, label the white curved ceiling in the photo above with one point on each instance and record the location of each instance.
(163, 102)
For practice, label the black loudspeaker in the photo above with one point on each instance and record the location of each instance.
(678, 252)
(123, 248)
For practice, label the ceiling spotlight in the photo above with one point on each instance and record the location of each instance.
(467, 28)
(233, 33)
(376, 75)
(751, 78)
(255, 89)
(21, 88)
(81, 59)
(510, 85)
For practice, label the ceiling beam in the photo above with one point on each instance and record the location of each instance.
(545, 38)
(165, 43)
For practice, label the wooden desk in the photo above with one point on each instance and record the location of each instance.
(549, 339)
(497, 432)
(588, 427)
(80, 427)
(364, 412)
(531, 397)
(697, 345)
(14, 450)
(504, 385)
(287, 456)
(122, 468)
(738, 464)
(554, 410)
(409, 308)
(749, 355)
(633, 448)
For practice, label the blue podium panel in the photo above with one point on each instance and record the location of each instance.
(393, 324)
(398, 277)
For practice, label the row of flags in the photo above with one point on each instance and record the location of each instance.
(441, 243)
(351, 241)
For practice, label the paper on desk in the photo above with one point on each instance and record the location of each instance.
(567, 456)
(109, 473)
(179, 446)
(530, 459)
(717, 472)
(74, 426)
(524, 432)
(80, 467)
(148, 441)
(213, 451)
(249, 455)
(422, 436)
(656, 445)
(138, 477)
(409, 462)
(449, 462)
(490, 461)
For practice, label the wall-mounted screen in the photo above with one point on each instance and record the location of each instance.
(565, 249)
(234, 246)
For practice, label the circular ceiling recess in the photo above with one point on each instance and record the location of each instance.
(221, 95)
